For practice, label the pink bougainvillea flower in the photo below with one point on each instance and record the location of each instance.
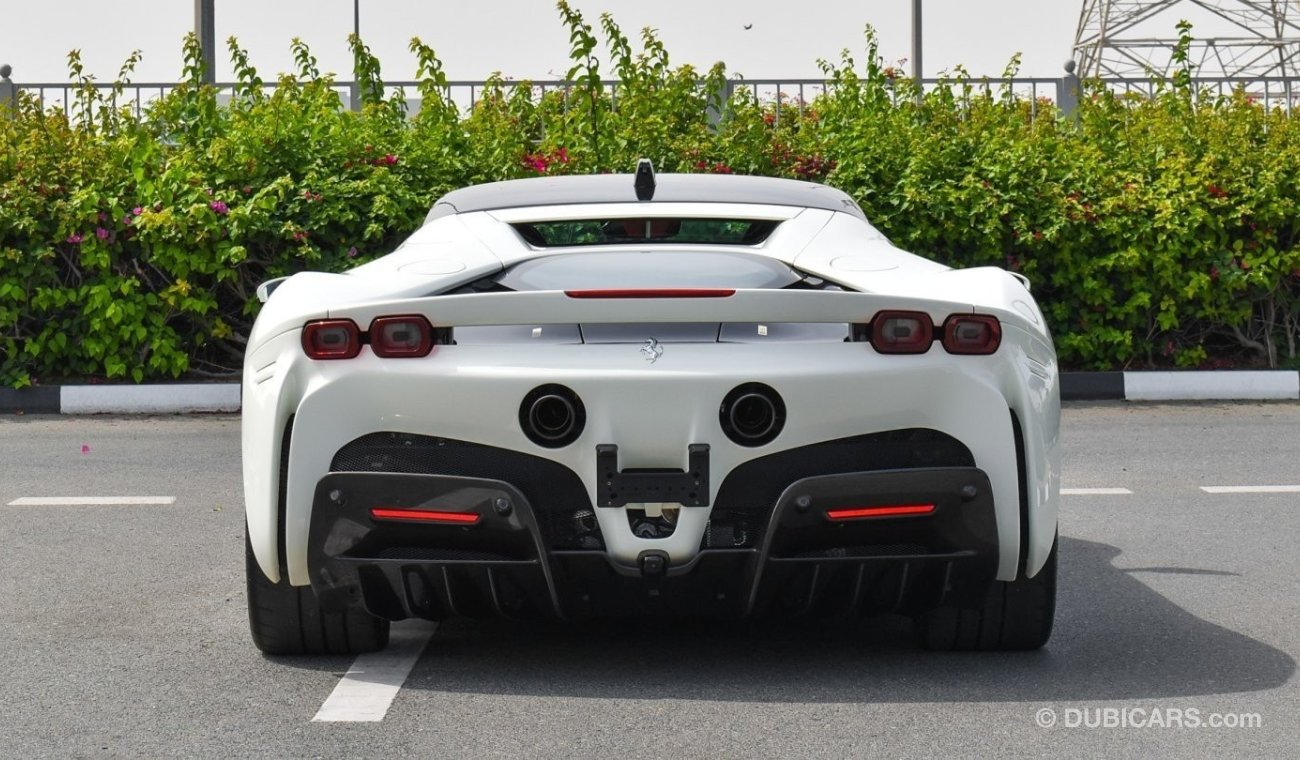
(138, 210)
(536, 161)
(562, 155)
(85, 449)
(219, 208)
(101, 233)
(75, 239)
(390, 159)
(352, 252)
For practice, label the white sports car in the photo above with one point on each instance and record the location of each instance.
(630, 394)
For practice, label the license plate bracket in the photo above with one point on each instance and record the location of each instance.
(617, 488)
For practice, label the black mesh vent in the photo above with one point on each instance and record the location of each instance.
(555, 492)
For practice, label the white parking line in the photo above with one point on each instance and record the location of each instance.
(1251, 489)
(83, 501)
(370, 685)
(1096, 492)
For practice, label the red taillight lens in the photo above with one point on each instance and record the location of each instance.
(972, 334)
(331, 339)
(399, 337)
(652, 293)
(425, 515)
(902, 332)
(891, 510)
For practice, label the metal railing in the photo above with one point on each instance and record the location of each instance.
(1270, 92)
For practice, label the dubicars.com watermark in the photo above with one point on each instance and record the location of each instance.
(1143, 717)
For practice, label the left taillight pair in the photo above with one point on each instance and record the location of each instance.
(401, 337)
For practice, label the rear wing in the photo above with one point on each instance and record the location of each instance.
(551, 307)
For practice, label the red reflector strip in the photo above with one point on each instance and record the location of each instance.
(425, 515)
(894, 510)
(653, 293)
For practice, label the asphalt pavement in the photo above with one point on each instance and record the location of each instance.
(124, 630)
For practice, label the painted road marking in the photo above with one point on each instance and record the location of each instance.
(85, 501)
(1096, 492)
(1251, 489)
(370, 685)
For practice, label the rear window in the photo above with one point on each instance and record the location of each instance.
(641, 231)
(649, 269)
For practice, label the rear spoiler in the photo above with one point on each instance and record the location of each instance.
(591, 307)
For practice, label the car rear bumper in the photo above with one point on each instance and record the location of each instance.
(514, 560)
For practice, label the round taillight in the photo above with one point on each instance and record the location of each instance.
(331, 339)
(902, 332)
(401, 337)
(972, 334)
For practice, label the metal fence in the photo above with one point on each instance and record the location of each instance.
(1063, 92)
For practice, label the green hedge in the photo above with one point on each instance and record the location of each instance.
(1157, 231)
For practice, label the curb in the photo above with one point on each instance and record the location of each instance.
(183, 398)
(1219, 385)
(163, 398)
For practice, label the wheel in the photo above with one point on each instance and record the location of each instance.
(1016, 615)
(286, 619)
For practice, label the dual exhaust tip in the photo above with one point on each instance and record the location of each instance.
(553, 416)
(752, 414)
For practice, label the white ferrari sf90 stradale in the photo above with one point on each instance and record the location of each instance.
(633, 395)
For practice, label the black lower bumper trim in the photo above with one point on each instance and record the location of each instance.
(499, 565)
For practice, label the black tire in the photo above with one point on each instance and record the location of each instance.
(285, 619)
(1016, 616)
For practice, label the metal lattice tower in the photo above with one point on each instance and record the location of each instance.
(1134, 38)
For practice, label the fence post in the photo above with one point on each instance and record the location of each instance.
(8, 91)
(1067, 92)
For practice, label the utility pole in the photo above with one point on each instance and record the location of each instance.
(205, 28)
(1258, 39)
(354, 92)
(917, 74)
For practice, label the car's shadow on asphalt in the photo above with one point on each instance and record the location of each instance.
(1115, 639)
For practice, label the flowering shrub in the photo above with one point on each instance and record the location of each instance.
(1158, 231)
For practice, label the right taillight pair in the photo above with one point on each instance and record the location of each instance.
(912, 332)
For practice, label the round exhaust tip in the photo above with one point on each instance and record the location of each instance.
(552, 416)
(752, 414)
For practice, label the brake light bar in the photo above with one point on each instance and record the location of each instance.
(652, 293)
(425, 515)
(891, 510)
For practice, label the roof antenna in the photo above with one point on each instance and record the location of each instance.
(645, 180)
